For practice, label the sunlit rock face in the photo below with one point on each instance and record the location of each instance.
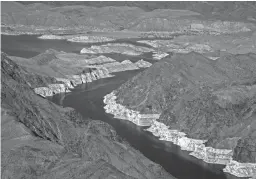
(177, 47)
(85, 70)
(220, 27)
(67, 82)
(100, 59)
(241, 169)
(197, 147)
(121, 112)
(143, 64)
(78, 38)
(159, 55)
(71, 81)
(69, 70)
(90, 39)
(199, 109)
(51, 90)
(89, 77)
(126, 49)
(117, 66)
(52, 37)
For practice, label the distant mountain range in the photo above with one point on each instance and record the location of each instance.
(225, 10)
(138, 16)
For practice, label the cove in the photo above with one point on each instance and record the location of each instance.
(88, 100)
(27, 46)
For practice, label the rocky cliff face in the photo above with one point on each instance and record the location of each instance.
(43, 140)
(210, 101)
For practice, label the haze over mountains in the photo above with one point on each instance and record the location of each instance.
(196, 87)
(138, 16)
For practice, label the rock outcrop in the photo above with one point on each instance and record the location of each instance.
(121, 112)
(122, 48)
(90, 39)
(52, 37)
(205, 106)
(177, 47)
(71, 81)
(83, 78)
(117, 66)
(66, 74)
(51, 89)
(196, 146)
(143, 64)
(159, 55)
(78, 38)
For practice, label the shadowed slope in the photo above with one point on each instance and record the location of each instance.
(43, 140)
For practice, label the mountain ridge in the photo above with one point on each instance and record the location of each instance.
(173, 87)
(43, 140)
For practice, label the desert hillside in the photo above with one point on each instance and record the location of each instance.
(43, 140)
(213, 101)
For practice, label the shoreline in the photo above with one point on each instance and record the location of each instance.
(195, 146)
(71, 81)
(101, 71)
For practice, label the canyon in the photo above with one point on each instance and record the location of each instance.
(168, 127)
(192, 88)
(60, 66)
(43, 140)
(195, 146)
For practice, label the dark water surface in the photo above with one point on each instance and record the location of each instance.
(28, 46)
(88, 100)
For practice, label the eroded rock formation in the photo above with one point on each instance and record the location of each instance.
(143, 64)
(205, 106)
(66, 74)
(121, 112)
(196, 146)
